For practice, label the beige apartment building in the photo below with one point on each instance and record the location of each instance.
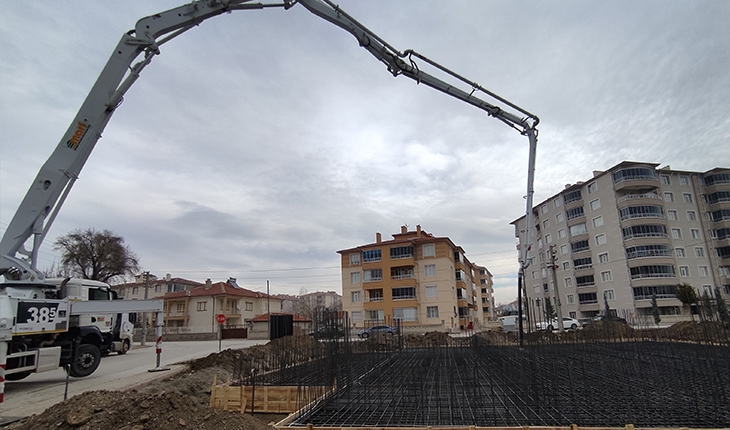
(627, 234)
(418, 279)
(155, 287)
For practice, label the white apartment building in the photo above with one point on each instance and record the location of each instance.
(627, 234)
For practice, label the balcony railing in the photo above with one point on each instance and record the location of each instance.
(653, 275)
(639, 196)
(642, 215)
(406, 276)
(649, 234)
(583, 266)
(408, 297)
(648, 253)
(375, 299)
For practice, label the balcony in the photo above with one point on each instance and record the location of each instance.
(635, 198)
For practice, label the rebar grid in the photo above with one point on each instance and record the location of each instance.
(648, 384)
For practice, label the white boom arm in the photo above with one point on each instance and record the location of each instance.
(55, 179)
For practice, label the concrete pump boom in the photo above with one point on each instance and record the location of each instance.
(51, 186)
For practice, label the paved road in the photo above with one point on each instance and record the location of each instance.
(40, 391)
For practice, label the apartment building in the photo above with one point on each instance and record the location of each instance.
(418, 279)
(195, 310)
(626, 235)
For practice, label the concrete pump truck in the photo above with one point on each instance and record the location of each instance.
(40, 319)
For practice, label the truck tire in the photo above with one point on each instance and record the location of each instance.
(86, 361)
(17, 376)
(125, 348)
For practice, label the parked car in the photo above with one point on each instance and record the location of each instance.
(327, 332)
(382, 329)
(568, 324)
(609, 318)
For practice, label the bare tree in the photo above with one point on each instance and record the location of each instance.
(96, 255)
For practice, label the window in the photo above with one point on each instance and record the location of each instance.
(548, 238)
(543, 272)
(669, 197)
(566, 265)
(597, 222)
(695, 233)
(687, 197)
(699, 252)
(356, 316)
(460, 275)
(571, 299)
(641, 251)
(578, 229)
(135, 290)
(684, 271)
(584, 281)
(703, 271)
(644, 231)
(572, 196)
(634, 173)
(405, 314)
(665, 180)
(556, 202)
(606, 276)
(202, 306)
(563, 249)
(249, 306)
(592, 187)
(601, 239)
(609, 294)
(574, 213)
(429, 250)
(559, 217)
(371, 255)
(181, 307)
(404, 293)
(561, 233)
(643, 211)
(672, 215)
(355, 296)
(676, 233)
(534, 274)
(431, 291)
(546, 223)
(374, 315)
(158, 288)
(595, 204)
(429, 270)
(603, 258)
(579, 246)
(539, 243)
(373, 275)
(355, 277)
(355, 259)
(401, 252)
(432, 312)
(543, 209)
(652, 271)
(691, 216)
(568, 282)
(683, 180)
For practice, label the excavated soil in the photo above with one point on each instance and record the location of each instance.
(179, 402)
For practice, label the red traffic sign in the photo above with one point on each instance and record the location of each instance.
(220, 318)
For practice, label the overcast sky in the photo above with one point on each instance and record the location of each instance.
(261, 142)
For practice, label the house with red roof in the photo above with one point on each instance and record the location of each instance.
(195, 310)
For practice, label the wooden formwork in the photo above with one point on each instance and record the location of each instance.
(271, 399)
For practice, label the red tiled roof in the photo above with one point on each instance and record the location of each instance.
(217, 289)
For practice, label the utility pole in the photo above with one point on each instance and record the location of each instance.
(144, 314)
(553, 266)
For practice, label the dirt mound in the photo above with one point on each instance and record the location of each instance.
(113, 410)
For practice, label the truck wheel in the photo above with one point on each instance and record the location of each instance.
(17, 376)
(86, 361)
(125, 348)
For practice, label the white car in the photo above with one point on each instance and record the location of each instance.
(568, 324)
